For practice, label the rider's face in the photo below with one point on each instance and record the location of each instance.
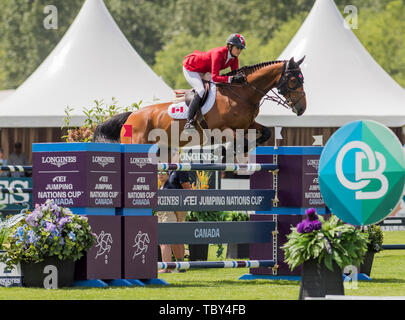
(236, 51)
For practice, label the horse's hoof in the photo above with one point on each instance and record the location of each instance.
(189, 126)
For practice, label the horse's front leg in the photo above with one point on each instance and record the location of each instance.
(264, 133)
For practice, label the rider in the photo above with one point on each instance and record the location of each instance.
(212, 61)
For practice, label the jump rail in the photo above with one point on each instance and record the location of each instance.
(15, 190)
(393, 246)
(185, 167)
(16, 168)
(217, 166)
(183, 265)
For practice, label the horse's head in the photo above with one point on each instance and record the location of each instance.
(291, 86)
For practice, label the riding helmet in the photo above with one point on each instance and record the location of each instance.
(237, 40)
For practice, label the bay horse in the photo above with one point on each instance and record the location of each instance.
(236, 107)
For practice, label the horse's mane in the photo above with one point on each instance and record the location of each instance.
(252, 68)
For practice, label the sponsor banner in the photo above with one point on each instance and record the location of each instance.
(12, 201)
(214, 200)
(311, 193)
(216, 232)
(139, 180)
(77, 178)
(104, 179)
(202, 155)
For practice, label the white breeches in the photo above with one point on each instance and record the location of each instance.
(194, 79)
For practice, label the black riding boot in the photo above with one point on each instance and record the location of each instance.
(192, 110)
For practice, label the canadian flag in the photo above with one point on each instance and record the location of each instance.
(177, 109)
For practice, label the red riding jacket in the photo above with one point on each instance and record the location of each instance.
(212, 61)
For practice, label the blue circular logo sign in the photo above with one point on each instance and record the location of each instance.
(362, 172)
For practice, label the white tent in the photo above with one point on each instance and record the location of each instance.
(343, 82)
(93, 61)
(5, 93)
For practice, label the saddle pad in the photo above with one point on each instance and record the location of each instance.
(180, 110)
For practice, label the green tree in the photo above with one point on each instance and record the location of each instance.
(2, 73)
(282, 36)
(374, 5)
(383, 33)
(169, 59)
(25, 41)
(207, 17)
(144, 23)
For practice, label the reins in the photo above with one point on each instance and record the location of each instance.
(282, 86)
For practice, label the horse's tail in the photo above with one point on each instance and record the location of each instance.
(110, 130)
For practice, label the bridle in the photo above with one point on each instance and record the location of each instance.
(282, 88)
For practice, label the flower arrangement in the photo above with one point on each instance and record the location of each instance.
(49, 230)
(326, 241)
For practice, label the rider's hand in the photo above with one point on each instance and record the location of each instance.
(238, 78)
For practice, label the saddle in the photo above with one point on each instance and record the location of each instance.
(188, 95)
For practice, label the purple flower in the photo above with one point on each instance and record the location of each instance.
(305, 226)
(63, 221)
(311, 214)
(300, 227)
(50, 227)
(33, 217)
(30, 220)
(308, 227)
(317, 224)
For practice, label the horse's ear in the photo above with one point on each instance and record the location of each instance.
(290, 64)
(301, 60)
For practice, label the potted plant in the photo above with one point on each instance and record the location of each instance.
(49, 235)
(324, 248)
(375, 240)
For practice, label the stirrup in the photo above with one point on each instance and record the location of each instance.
(189, 125)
